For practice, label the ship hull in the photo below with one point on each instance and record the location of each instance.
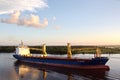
(81, 64)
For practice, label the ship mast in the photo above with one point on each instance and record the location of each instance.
(69, 54)
(21, 44)
(44, 50)
(98, 52)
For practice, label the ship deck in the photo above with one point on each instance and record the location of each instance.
(58, 58)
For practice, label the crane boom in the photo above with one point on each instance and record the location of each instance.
(35, 49)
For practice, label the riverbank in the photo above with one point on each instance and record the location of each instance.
(63, 49)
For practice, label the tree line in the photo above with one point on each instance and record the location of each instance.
(63, 49)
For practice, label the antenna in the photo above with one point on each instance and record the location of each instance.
(21, 42)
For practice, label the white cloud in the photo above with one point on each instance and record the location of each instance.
(33, 20)
(14, 18)
(9, 6)
(54, 18)
(57, 27)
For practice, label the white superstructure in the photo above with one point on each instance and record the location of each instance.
(22, 49)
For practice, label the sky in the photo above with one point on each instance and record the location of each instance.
(58, 22)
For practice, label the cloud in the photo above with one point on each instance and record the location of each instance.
(54, 18)
(9, 6)
(57, 27)
(33, 20)
(14, 18)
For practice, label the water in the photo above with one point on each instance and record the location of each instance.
(10, 69)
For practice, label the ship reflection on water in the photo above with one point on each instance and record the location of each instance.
(28, 71)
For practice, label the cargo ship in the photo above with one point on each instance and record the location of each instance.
(97, 63)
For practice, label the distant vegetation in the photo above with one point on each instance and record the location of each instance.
(63, 49)
(7, 49)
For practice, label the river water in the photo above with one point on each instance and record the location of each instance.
(11, 69)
